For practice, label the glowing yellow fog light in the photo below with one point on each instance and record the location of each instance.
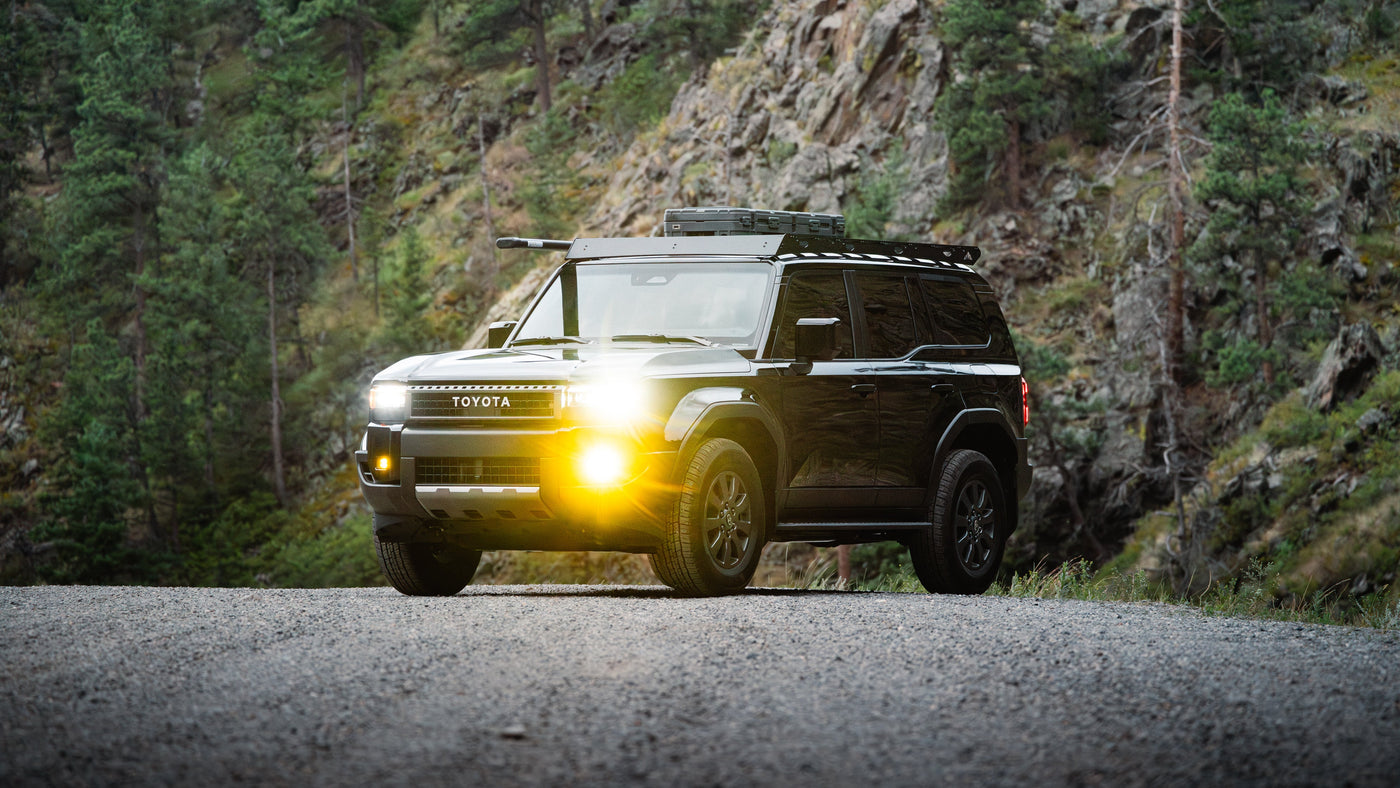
(602, 464)
(382, 464)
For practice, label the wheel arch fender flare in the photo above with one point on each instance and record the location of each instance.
(1004, 454)
(704, 413)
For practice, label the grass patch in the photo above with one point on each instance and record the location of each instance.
(1247, 595)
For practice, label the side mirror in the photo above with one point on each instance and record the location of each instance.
(816, 339)
(498, 332)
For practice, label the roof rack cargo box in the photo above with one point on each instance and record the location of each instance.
(724, 220)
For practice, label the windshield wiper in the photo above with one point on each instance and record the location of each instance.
(548, 341)
(661, 338)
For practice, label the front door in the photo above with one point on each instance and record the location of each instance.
(830, 413)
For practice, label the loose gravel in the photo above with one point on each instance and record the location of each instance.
(590, 685)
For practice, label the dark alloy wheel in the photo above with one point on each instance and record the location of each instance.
(426, 569)
(715, 532)
(962, 549)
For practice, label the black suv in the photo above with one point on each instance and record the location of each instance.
(696, 397)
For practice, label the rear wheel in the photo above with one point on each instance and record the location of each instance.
(715, 531)
(969, 522)
(426, 569)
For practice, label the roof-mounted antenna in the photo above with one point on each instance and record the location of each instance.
(547, 244)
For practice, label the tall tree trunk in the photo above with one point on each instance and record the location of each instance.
(1261, 310)
(355, 58)
(1176, 309)
(208, 433)
(175, 522)
(1184, 542)
(589, 26)
(139, 409)
(279, 480)
(486, 206)
(138, 248)
(535, 12)
(349, 197)
(1013, 162)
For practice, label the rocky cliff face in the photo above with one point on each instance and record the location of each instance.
(825, 95)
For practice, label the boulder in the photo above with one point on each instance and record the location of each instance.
(1347, 366)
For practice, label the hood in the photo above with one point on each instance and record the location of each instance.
(566, 364)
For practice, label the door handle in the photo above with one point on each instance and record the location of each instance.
(863, 389)
(944, 389)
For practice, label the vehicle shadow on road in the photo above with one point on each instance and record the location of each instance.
(625, 592)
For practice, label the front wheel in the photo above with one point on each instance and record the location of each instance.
(426, 569)
(969, 523)
(715, 530)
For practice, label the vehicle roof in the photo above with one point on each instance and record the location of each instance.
(782, 248)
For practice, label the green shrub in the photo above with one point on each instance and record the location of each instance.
(638, 98)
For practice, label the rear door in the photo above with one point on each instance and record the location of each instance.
(917, 395)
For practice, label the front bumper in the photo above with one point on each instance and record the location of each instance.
(551, 508)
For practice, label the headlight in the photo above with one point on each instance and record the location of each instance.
(605, 402)
(388, 402)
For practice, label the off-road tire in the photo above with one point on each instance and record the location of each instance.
(969, 522)
(426, 569)
(715, 531)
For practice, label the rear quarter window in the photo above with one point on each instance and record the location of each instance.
(955, 312)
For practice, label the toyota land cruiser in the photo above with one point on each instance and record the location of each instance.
(696, 396)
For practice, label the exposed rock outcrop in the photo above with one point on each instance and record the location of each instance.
(1347, 365)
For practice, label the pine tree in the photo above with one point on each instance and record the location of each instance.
(1254, 189)
(497, 20)
(357, 21)
(998, 91)
(107, 230)
(23, 52)
(409, 296)
(279, 241)
(96, 498)
(1258, 43)
(276, 239)
(204, 330)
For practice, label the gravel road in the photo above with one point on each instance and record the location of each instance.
(592, 685)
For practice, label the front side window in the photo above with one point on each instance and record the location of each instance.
(718, 302)
(815, 294)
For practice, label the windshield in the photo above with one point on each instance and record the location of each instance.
(716, 302)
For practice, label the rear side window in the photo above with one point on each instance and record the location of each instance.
(889, 316)
(955, 312)
(815, 294)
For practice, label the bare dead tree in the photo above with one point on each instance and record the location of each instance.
(1181, 545)
(279, 475)
(349, 196)
(486, 206)
(1175, 330)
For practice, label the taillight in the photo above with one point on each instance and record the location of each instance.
(1025, 403)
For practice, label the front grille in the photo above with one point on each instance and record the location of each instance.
(484, 402)
(490, 471)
